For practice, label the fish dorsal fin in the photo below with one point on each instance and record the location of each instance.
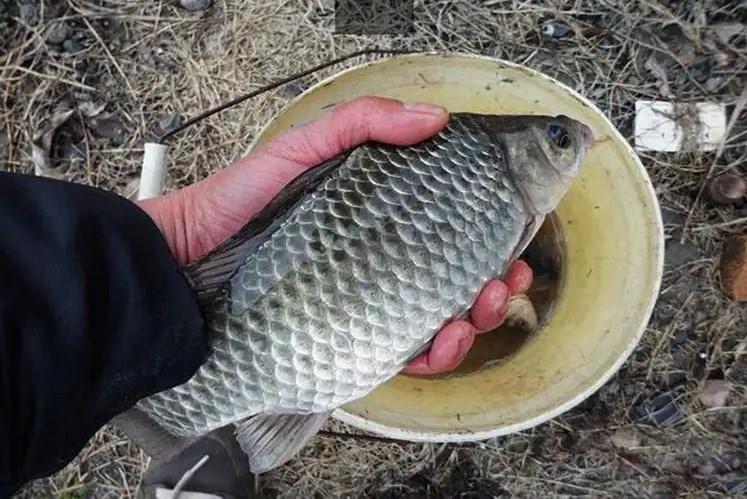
(209, 275)
(271, 440)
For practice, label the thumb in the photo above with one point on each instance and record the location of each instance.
(355, 122)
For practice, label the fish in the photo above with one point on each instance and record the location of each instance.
(350, 271)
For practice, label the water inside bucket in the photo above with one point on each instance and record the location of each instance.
(545, 255)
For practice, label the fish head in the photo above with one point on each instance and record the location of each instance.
(544, 155)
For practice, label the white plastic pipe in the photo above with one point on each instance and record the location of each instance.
(153, 174)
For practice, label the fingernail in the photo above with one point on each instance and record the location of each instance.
(423, 108)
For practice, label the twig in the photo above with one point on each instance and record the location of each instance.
(276, 84)
(59, 79)
(736, 221)
(634, 466)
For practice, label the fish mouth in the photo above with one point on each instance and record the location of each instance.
(588, 135)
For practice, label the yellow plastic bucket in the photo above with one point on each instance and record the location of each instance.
(611, 224)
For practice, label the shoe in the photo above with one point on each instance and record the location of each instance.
(209, 467)
(213, 467)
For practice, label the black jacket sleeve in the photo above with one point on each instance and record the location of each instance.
(94, 315)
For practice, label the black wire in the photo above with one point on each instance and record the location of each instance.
(368, 438)
(276, 84)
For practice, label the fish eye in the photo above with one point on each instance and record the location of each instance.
(559, 136)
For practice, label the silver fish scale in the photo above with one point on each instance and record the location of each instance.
(354, 282)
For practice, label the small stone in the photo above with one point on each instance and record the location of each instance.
(108, 127)
(556, 30)
(518, 446)
(714, 83)
(681, 337)
(71, 45)
(169, 122)
(195, 5)
(714, 393)
(728, 188)
(58, 32)
(28, 11)
(293, 89)
(625, 438)
(734, 267)
(677, 253)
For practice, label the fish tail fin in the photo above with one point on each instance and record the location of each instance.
(271, 440)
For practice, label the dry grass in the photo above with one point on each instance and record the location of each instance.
(147, 59)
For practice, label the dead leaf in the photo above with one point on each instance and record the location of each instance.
(714, 393)
(41, 145)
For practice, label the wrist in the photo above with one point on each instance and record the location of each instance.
(170, 214)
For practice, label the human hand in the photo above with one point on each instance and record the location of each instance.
(196, 219)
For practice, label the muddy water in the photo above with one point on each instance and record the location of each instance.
(545, 255)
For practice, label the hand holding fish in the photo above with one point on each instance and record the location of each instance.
(196, 219)
(369, 235)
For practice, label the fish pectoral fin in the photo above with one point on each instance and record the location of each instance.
(208, 275)
(530, 230)
(271, 440)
